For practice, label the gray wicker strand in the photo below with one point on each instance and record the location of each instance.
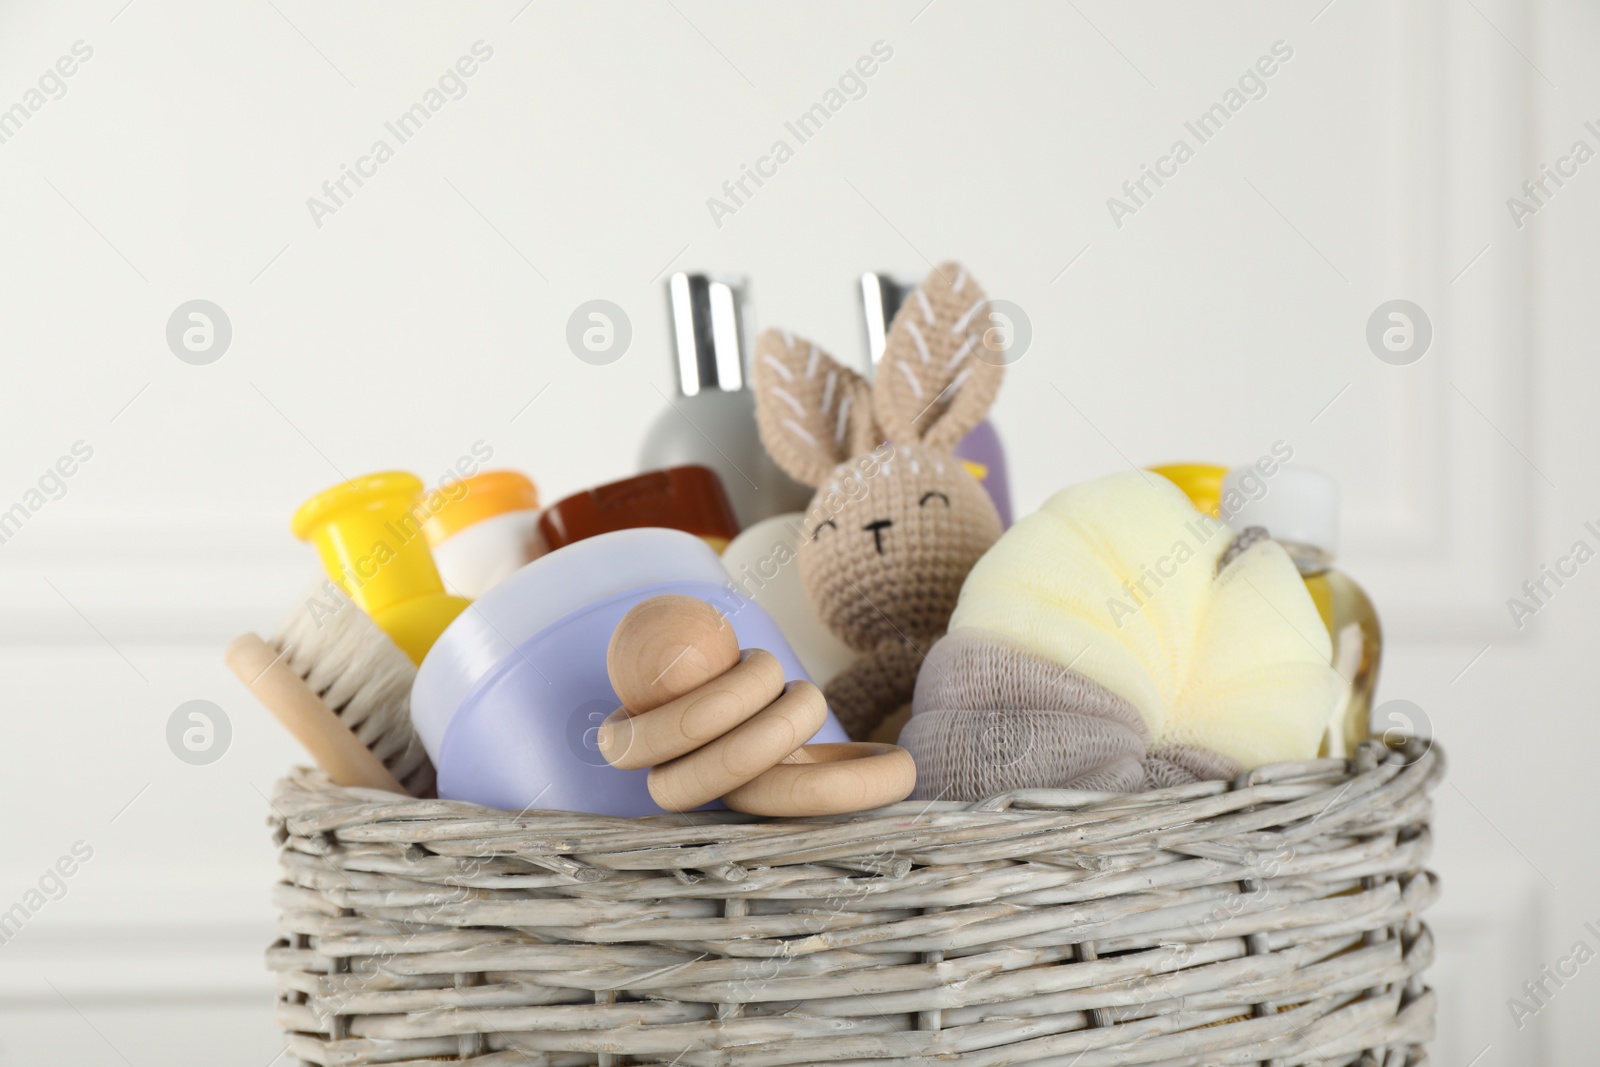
(1271, 920)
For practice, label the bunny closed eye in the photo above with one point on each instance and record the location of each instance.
(897, 521)
(888, 565)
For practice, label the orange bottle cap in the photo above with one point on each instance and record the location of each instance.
(471, 500)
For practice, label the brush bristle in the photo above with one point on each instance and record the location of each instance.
(362, 675)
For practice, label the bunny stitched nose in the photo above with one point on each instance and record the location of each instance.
(877, 529)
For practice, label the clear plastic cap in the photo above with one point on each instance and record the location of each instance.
(1298, 505)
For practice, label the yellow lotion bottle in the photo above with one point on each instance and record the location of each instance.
(1299, 508)
(371, 542)
(1200, 482)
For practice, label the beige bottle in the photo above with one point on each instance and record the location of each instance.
(1299, 508)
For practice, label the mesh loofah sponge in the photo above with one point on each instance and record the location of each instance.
(991, 717)
(1117, 578)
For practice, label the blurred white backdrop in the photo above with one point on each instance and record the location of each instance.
(429, 308)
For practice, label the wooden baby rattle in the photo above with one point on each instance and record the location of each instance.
(710, 720)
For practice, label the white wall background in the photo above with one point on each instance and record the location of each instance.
(1228, 313)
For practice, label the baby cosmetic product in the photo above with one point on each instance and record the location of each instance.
(882, 296)
(680, 498)
(1200, 482)
(368, 532)
(1299, 508)
(482, 528)
(510, 700)
(711, 421)
(764, 566)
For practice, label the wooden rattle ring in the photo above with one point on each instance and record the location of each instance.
(742, 753)
(829, 779)
(629, 742)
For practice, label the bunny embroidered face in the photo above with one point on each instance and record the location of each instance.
(887, 547)
(897, 521)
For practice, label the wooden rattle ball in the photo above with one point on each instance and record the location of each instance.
(665, 647)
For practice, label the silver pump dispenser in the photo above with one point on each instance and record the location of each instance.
(708, 330)
(881, 297)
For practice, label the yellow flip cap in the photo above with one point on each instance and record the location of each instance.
(474, 499)
(372, 544)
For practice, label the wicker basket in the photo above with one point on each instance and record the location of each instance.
(1275, 919)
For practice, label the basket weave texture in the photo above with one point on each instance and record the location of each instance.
(1272, 919)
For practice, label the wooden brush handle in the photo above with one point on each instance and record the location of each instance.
(284, 693)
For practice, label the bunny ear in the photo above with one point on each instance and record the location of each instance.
(812, 412)
(932, 386)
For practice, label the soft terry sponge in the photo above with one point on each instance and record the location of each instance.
(1117, 580)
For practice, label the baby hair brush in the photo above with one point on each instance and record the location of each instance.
(343, 688)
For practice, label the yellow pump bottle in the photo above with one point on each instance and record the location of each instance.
(1201, 482)
(372, 543)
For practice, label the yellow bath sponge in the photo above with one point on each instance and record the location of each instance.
(1117, 579)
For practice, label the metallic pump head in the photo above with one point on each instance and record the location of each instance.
(708, 328)
(881, 296)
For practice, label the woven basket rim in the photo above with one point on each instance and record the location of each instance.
(1304, 797)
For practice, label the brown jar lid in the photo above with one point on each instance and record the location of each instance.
(689, 498)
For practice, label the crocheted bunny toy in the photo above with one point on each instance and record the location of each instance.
(896, 522)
